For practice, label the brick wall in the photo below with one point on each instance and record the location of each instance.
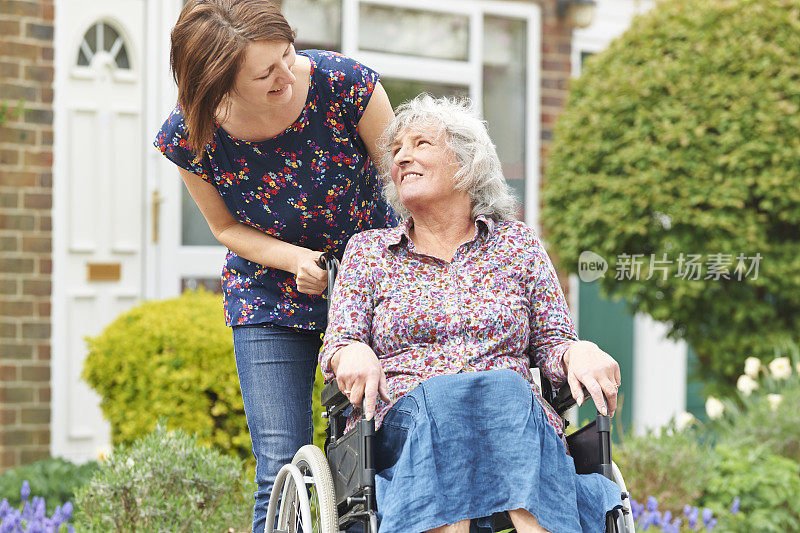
(26, 158)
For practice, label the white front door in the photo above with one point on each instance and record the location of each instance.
(98, 201)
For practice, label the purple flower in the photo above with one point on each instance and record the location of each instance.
(711, 524)
(652, 504)
(735, 505)
(25, 491)
(687, 510)
(707, 516)
(667, 518)
(694, 515)
(66, 511)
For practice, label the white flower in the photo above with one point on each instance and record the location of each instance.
(746, 384)
(129, 462)
(102, 453)
(774, 400)
(714, 408)
(780, 368)
(684, 420)
(752, 366)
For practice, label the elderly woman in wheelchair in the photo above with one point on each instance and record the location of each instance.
(433, 326)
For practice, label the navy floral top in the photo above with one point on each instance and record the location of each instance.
(313, 185)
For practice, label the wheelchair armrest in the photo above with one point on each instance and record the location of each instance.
(332, 396)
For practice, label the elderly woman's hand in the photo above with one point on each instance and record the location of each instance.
(590, 366)
(360, 376)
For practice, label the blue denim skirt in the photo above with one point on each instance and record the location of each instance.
(468, 445)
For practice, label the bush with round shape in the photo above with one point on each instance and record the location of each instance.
(683, 137)
(172, 360)
(165, 481)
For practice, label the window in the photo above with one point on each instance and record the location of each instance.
(103, 38)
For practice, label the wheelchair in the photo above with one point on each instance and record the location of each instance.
(332, 491)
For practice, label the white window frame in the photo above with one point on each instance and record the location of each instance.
(468, 73)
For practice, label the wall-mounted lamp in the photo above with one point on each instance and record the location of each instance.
(577, 13)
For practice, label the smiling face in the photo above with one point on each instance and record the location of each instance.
(265, 77)
(422, 170)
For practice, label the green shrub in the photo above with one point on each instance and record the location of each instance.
(683, 137)
(165, 481)
(768, 486)
(671, 466)
(54, 479)
(171, 359)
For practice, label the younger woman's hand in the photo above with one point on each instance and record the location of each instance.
(360, 376)
(309, 277)
(588, 365)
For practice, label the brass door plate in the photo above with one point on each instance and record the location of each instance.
(104, 271)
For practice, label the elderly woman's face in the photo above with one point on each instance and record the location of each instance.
(423, 167)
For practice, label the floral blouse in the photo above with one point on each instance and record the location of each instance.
(495, 305)
(313, 185)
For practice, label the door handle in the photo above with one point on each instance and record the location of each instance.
(156, 210)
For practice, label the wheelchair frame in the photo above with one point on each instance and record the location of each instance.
(351, 464)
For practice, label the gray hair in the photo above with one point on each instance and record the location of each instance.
(480, 173)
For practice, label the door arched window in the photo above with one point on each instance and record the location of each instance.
(101, 37)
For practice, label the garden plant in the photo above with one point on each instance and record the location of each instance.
(675, 160)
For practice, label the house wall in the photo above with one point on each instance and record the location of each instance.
(26, 155)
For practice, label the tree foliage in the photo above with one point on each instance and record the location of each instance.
(683, 137)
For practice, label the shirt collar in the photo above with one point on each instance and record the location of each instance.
(402, 233)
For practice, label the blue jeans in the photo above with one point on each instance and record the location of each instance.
(276, 367)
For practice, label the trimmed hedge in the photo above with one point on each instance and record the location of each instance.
(171, 360)
(684, 137)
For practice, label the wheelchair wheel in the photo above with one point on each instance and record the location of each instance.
(625, 519)
(312, 508)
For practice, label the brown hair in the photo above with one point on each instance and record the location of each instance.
(208, 47)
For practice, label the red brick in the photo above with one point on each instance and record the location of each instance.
(36, 330)
(45, 223)
(8, 417)
(16, 395)
(43, 352)
(45, 266)
(9, 70)
(38, 200)
(9, 156)
(556, 65)
(47, 53)
(44, 394)
(46, 97)
(28, 456)
(8, 330)
(19, 266)
(35, 244)
(19, 8)
(39, 116)
(15, 308)
(10, 134)
(16, 351)
(46, 179)
(9, 28)
(42, 436)
(42, 32)
(35, 373)
(9, 286)
(9, 243)
(43, 309)
(16, 222)
(9, 200)
(35, 287)
(8, 459)
(28, 52)
(47, 11)
(8, 373)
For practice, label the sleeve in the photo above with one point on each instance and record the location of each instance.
(552, 331)
(171, 142)
(351, 303)
(354, 87)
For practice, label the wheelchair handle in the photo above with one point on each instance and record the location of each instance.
(328, 262)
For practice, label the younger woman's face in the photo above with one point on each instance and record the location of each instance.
(265, 78)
